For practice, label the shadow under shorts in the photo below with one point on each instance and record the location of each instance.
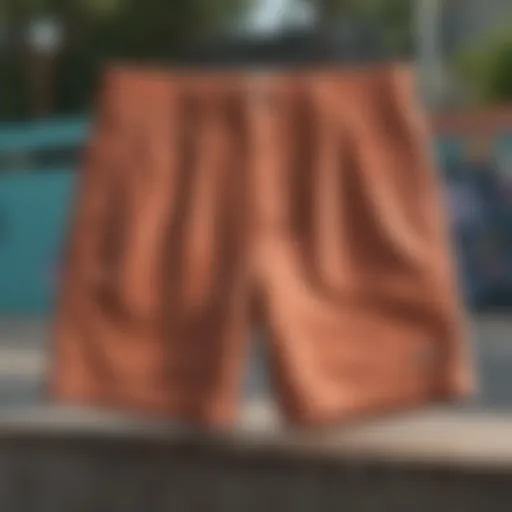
(305, 202)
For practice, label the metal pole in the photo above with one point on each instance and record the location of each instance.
(429, 51)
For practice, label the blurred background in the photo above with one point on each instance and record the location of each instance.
(52, 53)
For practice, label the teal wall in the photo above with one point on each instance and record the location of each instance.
(34, 212)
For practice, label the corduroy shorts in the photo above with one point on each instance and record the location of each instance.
(305, 202)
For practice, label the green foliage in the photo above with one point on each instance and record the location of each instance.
(487, 67)
(391, 18)
(158, 28)
(102, 30)
(76, 78)
(13, 91)
(32, 8)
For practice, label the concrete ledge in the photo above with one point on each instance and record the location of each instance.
(440, 436)
(55, 459)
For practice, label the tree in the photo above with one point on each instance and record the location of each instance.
(132, 27)
(159, 28)
(391, 18)
(486, 67)
(96, 31)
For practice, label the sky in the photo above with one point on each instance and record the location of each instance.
(270, 15)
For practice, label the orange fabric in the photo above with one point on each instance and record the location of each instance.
(310, 195)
